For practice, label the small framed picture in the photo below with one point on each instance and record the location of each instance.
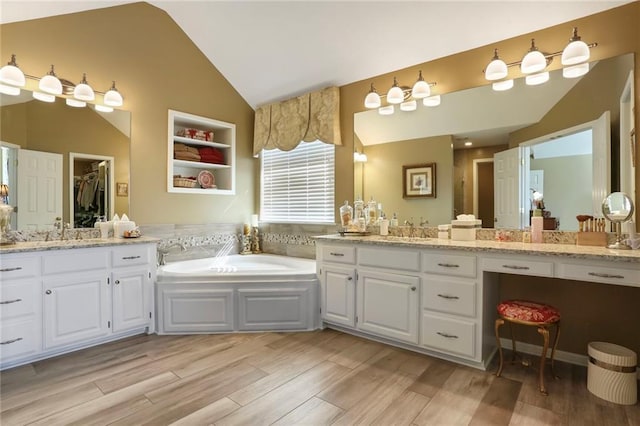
(419, 181)
(122, 189)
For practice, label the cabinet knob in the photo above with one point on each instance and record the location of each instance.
(349, 278)
(48, 292)
(413, 288)
(117, 282)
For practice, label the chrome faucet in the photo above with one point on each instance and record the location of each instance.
(163, 251)
(412, 228)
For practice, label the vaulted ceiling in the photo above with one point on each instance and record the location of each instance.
(271, 51)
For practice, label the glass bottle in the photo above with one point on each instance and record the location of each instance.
(358, 208)
(372, 207)
(346, 213)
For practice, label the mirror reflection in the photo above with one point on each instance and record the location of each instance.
(60, 161)
(553, 127)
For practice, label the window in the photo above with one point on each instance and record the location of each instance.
(297, 186)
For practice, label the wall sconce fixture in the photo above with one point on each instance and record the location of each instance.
(403, 95)
(575, 57)
(50, 86)
(359, 157)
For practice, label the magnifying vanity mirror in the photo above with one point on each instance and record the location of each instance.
(618, 208)
(61, 161)
(576, 124)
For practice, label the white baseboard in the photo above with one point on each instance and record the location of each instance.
(568, 357)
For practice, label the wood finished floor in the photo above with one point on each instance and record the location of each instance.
(318, 378)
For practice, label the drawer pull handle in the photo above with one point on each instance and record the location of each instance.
(448, 265)
(517, 267)
(6, 302)
(130, 257)
(337, 254)
(602, 275)
(17, 268)
(446, 296)
(48, 292)
(448, 336)
(413, 288)
(7, 342)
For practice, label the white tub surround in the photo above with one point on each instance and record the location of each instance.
(237, 293)
(57, 297)
(439, 297)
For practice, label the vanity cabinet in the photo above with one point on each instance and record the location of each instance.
(57, 301)
(338, 294)
(211, 156)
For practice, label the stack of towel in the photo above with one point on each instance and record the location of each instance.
(211, 155)
(185, 152)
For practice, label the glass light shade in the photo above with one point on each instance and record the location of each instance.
(371, 101)
(575, 71)
(75, 103)
(103, 108)
(536, 79)
(395, 95)
(114, 98)
(496, 70)
(409, 106)
(83, 91)
(501, 86)
(533, 62)
(468, 143)
(50, 84)
(386, 110)
(576, 52)
(421, 89)
(11, 74)
(431, 101)
(9, 90)
(44, 97)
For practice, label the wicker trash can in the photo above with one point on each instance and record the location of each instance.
(611, 374)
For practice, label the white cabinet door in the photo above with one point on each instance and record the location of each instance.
(76, 308)
(273, 309)
(338, 297)
(130, 301)
(388, 304)
(197, 311)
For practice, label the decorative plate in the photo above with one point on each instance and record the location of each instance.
(206, 179)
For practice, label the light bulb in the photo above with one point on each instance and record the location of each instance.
(113, 97)
(372, 100)
(50, 83)
(421, 89)
(534, 61)
(83, 91)
(576, 51)
(395, 95)
(497, 69)
(12, 75)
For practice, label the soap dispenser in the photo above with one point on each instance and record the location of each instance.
(394, 220)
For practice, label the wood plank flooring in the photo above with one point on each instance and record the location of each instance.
(317, 378)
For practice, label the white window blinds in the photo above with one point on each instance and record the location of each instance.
(297, 186)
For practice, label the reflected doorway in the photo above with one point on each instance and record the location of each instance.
(483, 207)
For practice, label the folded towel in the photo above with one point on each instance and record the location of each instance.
(185, 155)
(211, 155)
(180, 147)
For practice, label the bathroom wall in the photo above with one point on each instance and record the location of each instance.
(156, 68)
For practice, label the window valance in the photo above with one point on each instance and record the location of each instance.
(310, 117)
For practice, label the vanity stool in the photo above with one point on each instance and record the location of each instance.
(534, 314)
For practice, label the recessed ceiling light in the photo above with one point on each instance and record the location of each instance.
(468, 143)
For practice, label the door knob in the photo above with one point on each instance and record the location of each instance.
(413, 288)
(48, 292)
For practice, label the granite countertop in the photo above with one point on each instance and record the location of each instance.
(31, 246)
(487, 246)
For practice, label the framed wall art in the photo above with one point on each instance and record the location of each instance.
(419, 181)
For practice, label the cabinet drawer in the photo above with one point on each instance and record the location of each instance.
(450, 264)
(518, 267)
(340, 254)
(18, 267)
(405, 260)
(75, 261)
(126, 256)
(600, 274)
(448, 334)
(18, 297)
(19, 339)
(449, 295)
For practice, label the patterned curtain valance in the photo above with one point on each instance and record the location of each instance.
(310, 117)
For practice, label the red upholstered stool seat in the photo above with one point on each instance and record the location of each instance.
(534, 314)
(525, 311)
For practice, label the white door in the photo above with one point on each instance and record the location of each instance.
(76, 308)
(39, 189)
(627, 127)
(507, 182)
(601, 161)
(130, 305)
(338, 298)
(388, 304)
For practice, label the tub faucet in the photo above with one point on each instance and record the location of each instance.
(163, 251)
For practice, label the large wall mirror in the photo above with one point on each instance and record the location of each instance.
(579, 125)
(70, 161)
